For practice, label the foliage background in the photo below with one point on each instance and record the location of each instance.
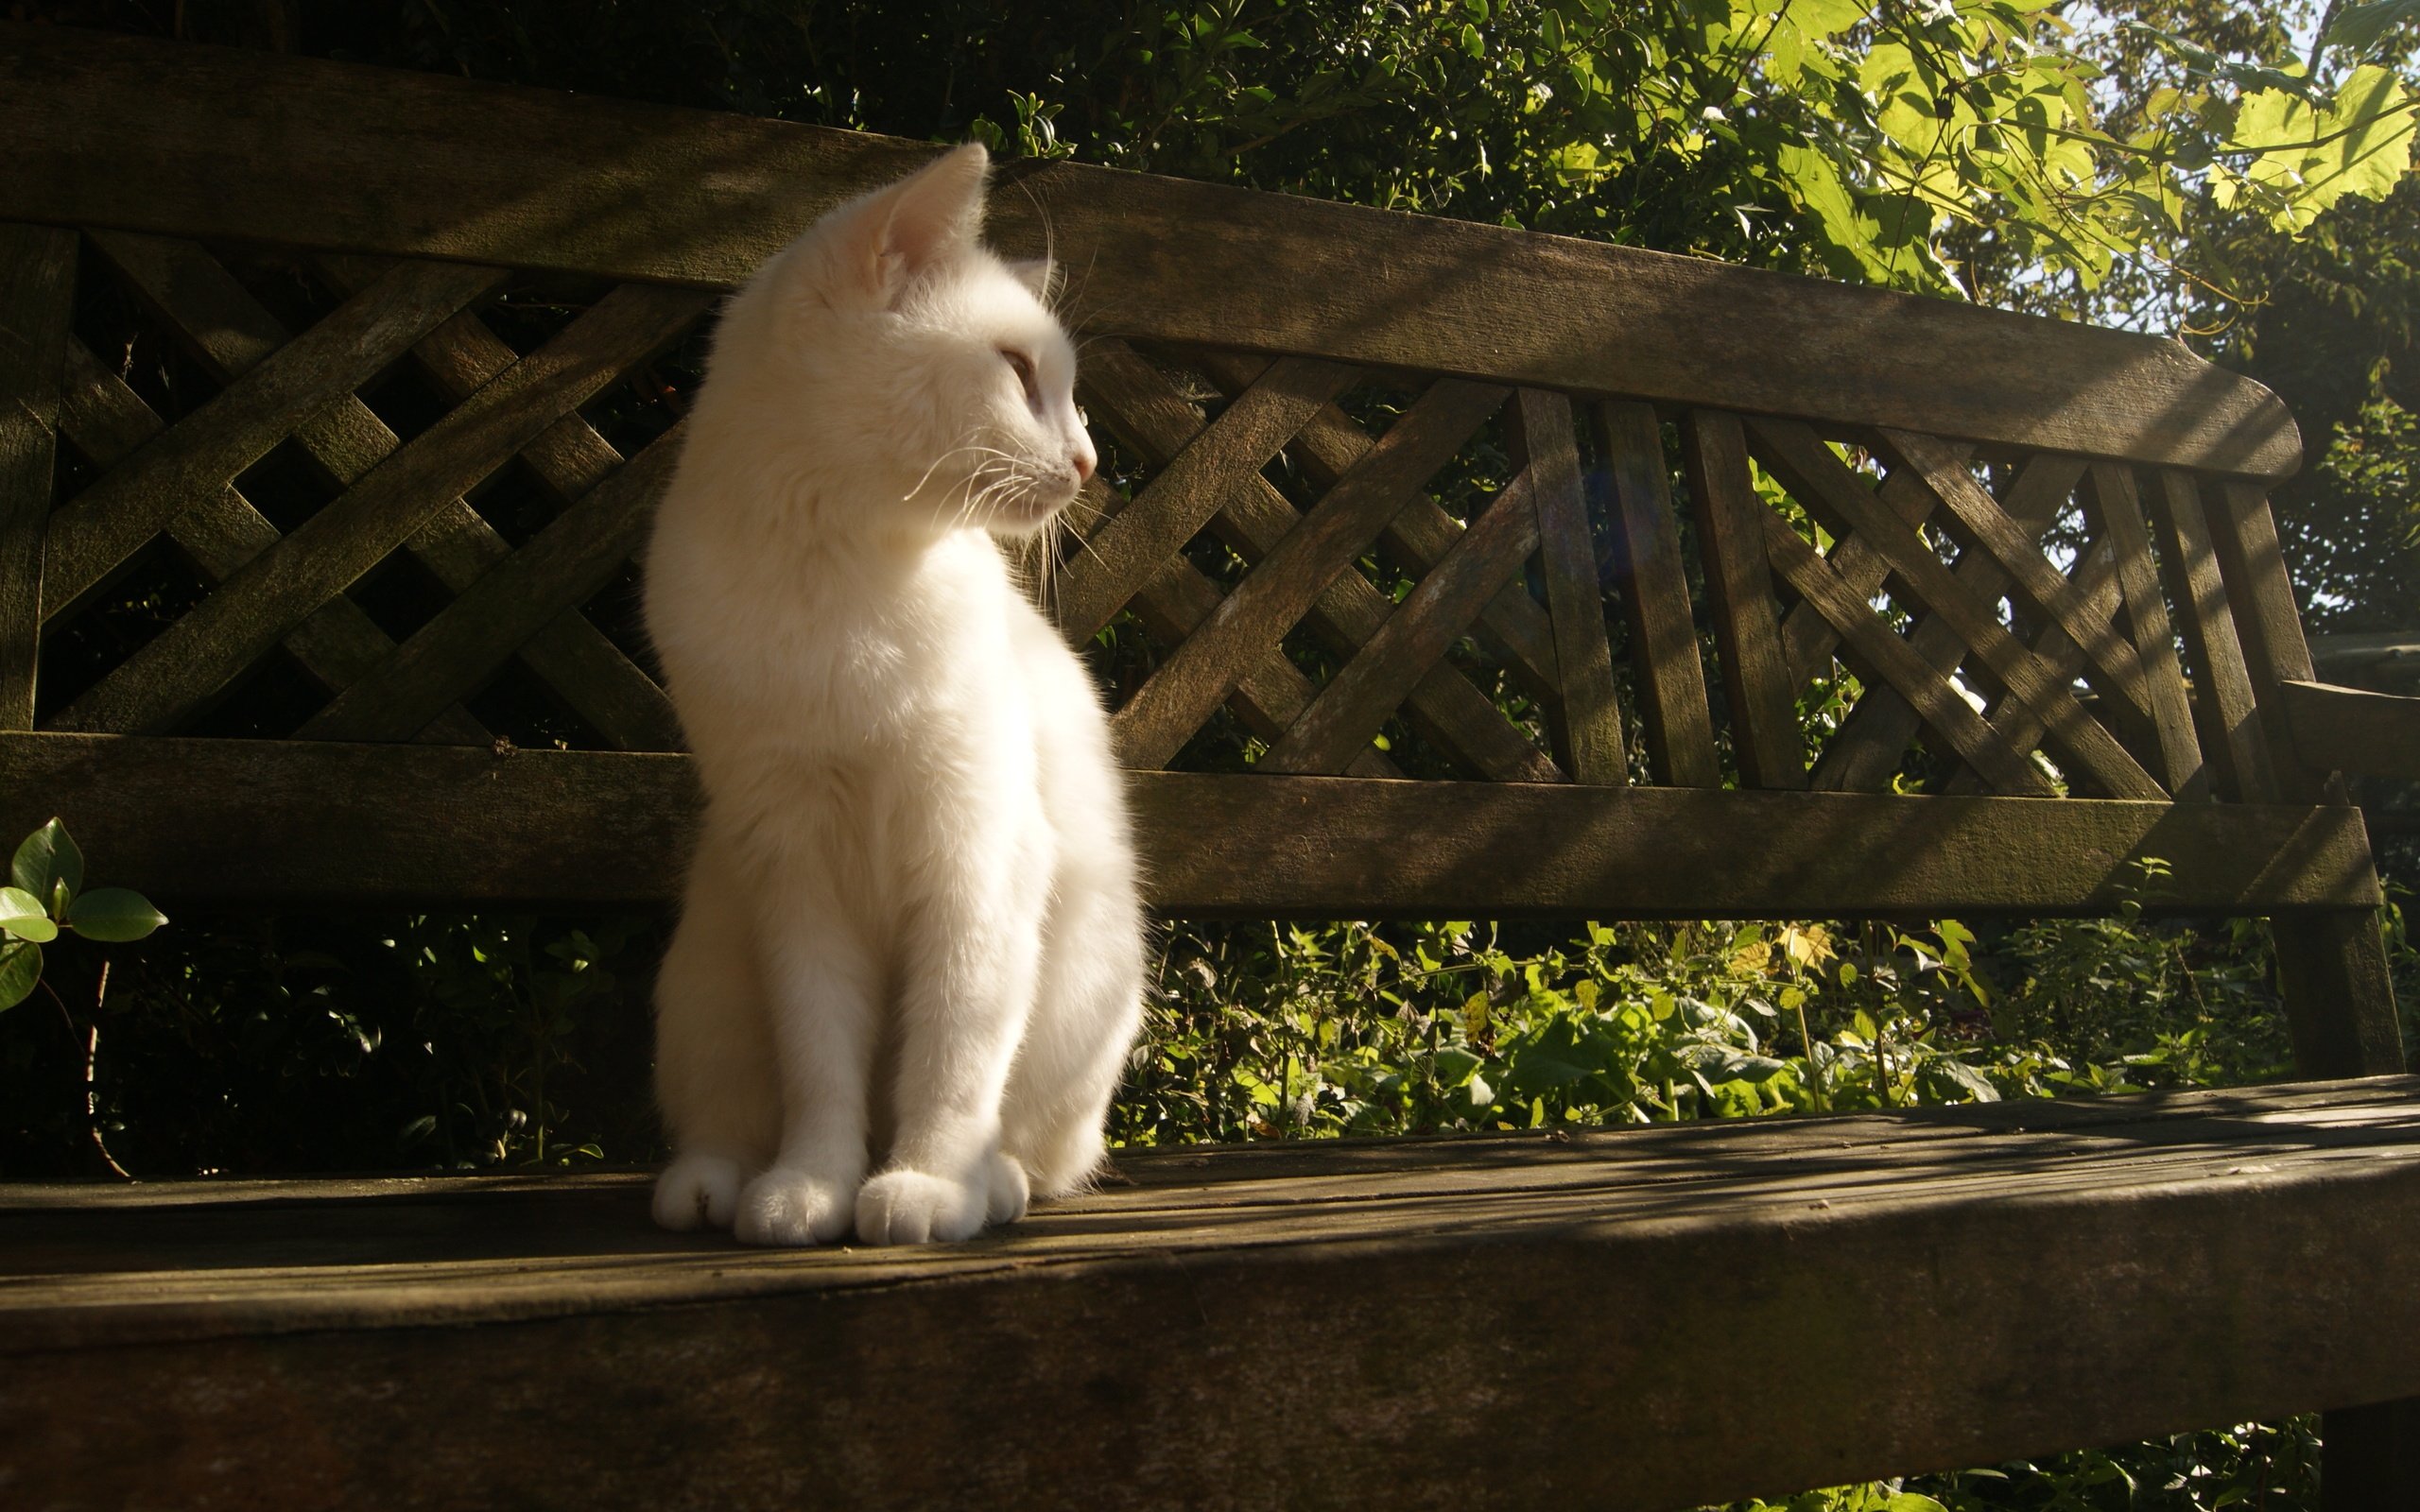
(2199, 167)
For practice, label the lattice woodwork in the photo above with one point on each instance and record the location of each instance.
(341, 498)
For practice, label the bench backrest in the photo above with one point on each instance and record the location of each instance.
(1380, 479)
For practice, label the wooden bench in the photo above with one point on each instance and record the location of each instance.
(1644, 1319)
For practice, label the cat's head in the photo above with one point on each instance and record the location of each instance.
(916, 371)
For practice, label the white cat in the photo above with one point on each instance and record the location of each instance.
(911, 930)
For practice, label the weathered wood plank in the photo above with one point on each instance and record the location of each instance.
(1298, 568)
(219, 533)
(337, 1321)
(230, 332)
(1515, 626)
(1823, 484)
(92, 534)
(1349, 711)
(2226, 710)
(1144, 409)
(322, 821)
(2353, 731)
(564, 565)
(2118, 507)
(1881, 656)
(193, 660)
(1268, 697)
(1757, 676)
(111, 131)
(1865, 755)
(37, 305)
(1587, 712)
(1978, 523)
(586, 669)
(1655, 595)
(1189, 489)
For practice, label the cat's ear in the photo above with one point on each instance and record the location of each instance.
(1041, 274)
(926, 219)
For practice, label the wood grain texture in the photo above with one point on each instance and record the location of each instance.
(2353, 731)
(190, 664)
(1357, 699)
(2040, 591)
(564, 565)
(94, 533)
(1587, 710)
(1655, 597)
(2225, 710)
(1880, 656)
(218, 533)
(2118, 511)
(1868, 751)
(37, 305)
(1513, 626)
(572, 657)
(1823, 484)
(322, 821)
(1190, 488)
(116, 133)
(1757, 680)
(1298, 569)
(1146, 411)
(304, 1344)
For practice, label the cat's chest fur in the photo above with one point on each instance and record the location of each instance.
(842, 678)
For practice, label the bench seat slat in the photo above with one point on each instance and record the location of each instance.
(1464, 1322)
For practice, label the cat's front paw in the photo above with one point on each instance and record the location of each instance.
(792, 1207)
(697, 1188)
(910, 1207)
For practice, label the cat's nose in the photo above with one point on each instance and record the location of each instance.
(1084, 457)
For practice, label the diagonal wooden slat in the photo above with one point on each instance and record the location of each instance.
(36, 307)
(1867, 751)
(191, 662)
(1978, 523)
(1514, 627)
(2011, 718)
(1756, 676)
(106, 421)
(1147, 411)
(1268, 697)
(2118, 508)
(1807, 636)
(1881, 656)
(1182, 596)
(1430, 618)
(1189, 489)
(1303, 559)
(230, 332)
(111, 521)
(1655, 592)
(564, 565)
(1588, 722)
(578, 661)
(2225, 710)
(1822, 482)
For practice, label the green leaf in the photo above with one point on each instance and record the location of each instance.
(2359, 28)
(22, 915)
(47, 858)
(114, 915)
(20, 968)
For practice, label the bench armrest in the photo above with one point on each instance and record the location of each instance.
(2353, 731)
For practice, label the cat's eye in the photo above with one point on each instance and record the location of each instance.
(1022, 367)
